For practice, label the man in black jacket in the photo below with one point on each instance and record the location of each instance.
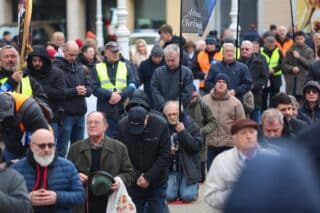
(40, 68)
(185, 145)
(77, 88)
(147, 68)
(259, 74)
(146, 136)
(165, 82)
(19, 116)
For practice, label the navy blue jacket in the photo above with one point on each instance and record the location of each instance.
(62, 178)
(239, 77)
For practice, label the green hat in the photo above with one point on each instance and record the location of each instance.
(100, 183)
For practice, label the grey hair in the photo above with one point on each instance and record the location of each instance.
(171, 48)
(272, 115)
(247, 42)
(171, 103)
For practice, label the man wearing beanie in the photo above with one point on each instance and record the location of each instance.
(147, 68)
(226, 109)
(240, 80)
(207, 57)
(227, 166)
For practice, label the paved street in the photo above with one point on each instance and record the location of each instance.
(198, 206)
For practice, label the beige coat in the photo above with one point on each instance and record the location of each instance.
(226, 110)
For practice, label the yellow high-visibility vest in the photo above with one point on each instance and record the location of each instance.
(272, 61)
(25, 86)
(121, 77)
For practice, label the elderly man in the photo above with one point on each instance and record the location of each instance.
(100, 153)
(113, 84)
(226, 109)
(150, 133)
(53, 182)
(238, 73)
(165, 84)
(227, 166)
(74, 105)
(185, 143)
(259, 74)
(283, 42)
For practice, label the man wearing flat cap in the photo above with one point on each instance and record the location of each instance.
(146, 136)
(227, 165)
(113, 83)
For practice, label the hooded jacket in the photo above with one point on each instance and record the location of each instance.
(74, 76)
(51, 79)
(145, 71)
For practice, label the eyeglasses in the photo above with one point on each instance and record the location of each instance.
(44, 145)
(246, 49)
(95, 123)
(314, 91)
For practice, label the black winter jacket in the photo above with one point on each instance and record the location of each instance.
(50, 79)
(148, 152)
(74, 76)
(165, 86)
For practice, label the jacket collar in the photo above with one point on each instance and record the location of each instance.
(107, 147)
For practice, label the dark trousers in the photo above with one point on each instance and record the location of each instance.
(213, 152)
(149, 200)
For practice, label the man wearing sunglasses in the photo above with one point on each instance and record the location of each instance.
(53, 182)
(311, 106)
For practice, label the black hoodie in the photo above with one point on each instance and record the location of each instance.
(51, 79)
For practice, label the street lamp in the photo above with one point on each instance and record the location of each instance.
(234, 18)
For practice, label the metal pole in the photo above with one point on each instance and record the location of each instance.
(292, 21)
(99, 24)
(237, 34)
(180, 62)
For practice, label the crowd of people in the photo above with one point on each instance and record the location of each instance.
(184, 113)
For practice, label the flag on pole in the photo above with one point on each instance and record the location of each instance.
(196, 15)
(24, 26)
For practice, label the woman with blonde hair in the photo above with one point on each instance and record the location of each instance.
(141, 52)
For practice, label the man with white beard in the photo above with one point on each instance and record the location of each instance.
(53, 182)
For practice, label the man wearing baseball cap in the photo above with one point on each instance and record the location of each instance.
(227, 165)
(113, 82)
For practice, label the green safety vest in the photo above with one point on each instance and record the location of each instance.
(121, 77)
(272, 61)
(25, 85)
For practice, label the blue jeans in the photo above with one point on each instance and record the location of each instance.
(178, 188)
(55, 128)
(112, 126)
(149, 200)
(256, 115)
(72, 130)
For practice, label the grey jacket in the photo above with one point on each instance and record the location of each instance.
(14, 197)
(165, 86)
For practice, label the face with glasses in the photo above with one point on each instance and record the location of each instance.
(246, 50)
(9, 58)
(96, 124)
(42, 146)
(311, 95)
